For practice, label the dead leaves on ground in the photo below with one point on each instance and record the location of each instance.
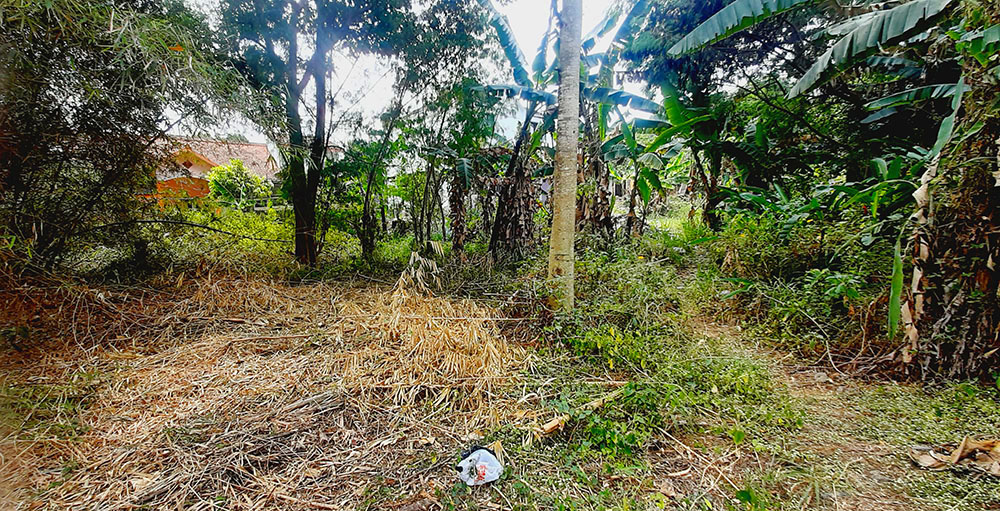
(981, 456)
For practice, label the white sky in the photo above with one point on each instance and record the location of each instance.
(368, 87)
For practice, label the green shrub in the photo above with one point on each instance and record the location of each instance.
(235, 186)
(622, 287)
(675, 382)
(750, 246)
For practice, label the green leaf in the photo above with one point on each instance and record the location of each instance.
(651, 160)
(547, 125)
(738, 435)
(878, 116)
(643, 186)
(667, 134)
(603, 27)
(620, 98)
(518, 63)
(517, 91)
(895, 169)
(672, 106)
(781, 193)
(732, 18)
(895, 291)
(982, 45)
(890, 62)
(541, 57)
(611, 143)
(626, 30)
(646, 124)
(881, 167)
(653, 179)
(627, 132)
(464, 168)
(914, 95)
(706, 239)
(883, 28)
(948, 124)
(594, 60)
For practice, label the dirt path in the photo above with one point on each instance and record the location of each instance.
(850, 453)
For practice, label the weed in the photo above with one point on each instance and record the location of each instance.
(38, 411)
(930, 415)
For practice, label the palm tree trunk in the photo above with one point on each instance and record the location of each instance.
(564, 177)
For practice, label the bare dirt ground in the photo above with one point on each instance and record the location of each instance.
(233, 394)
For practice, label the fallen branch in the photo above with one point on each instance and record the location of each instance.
(558, 422)
(316, 505)
(189, 224)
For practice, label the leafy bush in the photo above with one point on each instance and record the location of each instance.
(622, 287)
(675, 381)
(751, 246)
(233, 185)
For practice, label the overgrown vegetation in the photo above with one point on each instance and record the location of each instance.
(783, 255)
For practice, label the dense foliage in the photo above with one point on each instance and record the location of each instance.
(837, 162)
(85, 90)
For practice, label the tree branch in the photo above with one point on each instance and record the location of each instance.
(189, 224)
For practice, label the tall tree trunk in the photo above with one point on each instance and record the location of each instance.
(440, 205)
(304, 208)
(456, 203)
(594, 212)
(709, 185)
(384, 229)
(486, 205)
(317, 156)
(561, 258)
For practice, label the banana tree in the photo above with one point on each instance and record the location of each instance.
(950, 313)
(646, 160)
(513, 226)
(862, 36)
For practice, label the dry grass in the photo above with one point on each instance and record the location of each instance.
(251, 394)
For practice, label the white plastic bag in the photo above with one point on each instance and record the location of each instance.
(479, 466)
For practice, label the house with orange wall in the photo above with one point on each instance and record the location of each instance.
(186, 175)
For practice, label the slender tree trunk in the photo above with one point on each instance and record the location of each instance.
(594, 212)
(456, 202)
(368, 218)
(513, 213)
(564, 178)
(427, 200)
(630, 220)
(486, 205)
(440, 205)
(709, 188)
(317, 156)
(385, 225)
(304, 208)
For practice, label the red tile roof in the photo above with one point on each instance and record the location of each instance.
(256, 157)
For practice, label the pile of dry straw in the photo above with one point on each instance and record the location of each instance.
(257, 393)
